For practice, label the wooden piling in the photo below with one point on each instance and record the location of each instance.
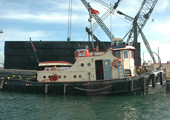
(144, 85)
(64, 89)
(1, 83)
(131, 85)
(46, 88)
(161, 78)
(153, 80)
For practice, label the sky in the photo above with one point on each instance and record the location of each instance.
(47, 20)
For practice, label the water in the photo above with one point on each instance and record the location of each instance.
(17, 106)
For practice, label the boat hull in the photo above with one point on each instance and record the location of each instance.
(146, 83)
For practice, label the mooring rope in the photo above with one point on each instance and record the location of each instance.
(92, 89)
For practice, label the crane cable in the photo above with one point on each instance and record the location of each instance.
(107, 13)
(69, 20)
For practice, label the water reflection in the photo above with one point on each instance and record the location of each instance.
(40, 106)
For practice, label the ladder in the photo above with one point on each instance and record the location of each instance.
(121, 71)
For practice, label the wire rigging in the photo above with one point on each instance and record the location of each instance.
(103, 17)
(104, 4)
(110, 9)
(69, 20)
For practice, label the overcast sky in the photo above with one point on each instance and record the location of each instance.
(47, 20)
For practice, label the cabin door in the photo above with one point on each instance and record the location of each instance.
(107, 69)
(126, 59)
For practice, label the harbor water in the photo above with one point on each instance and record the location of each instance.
(26, 106)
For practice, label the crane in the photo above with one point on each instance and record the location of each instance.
(147, 44)
(69, 21)
(102, 18)
(141, 19)
(138, 23)
(99, 21)
(106, 14)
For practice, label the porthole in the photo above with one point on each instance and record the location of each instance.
(52, 68)
(79, 76)
(75, 76)
(64, 76)
(59, 76)
(82, 64)
(49, 76)
(47, 69)
(44, 77)
(88, 64)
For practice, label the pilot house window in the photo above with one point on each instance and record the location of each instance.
(116, 54)
(125, 53)
(131, 54)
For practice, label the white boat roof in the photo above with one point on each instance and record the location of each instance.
(55, 63)
(123, 47)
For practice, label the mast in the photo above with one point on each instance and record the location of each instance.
(90, 20)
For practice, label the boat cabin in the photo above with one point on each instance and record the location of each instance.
(112, 64)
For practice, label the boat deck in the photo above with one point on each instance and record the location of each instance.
(18, 74)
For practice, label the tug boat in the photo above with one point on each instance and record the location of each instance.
(110, 72)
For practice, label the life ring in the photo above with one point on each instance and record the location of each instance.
(54, 77)
(114, 63)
